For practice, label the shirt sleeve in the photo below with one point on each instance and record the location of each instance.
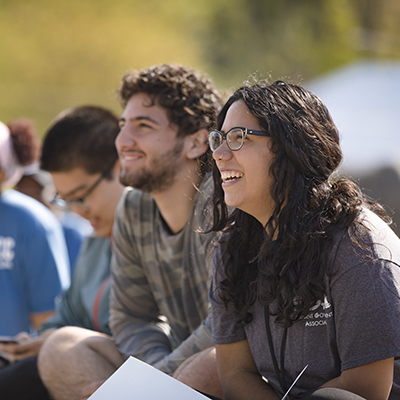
(366, 302)
(47, 274)
(199, 340)
(225, 328)
(135, 319)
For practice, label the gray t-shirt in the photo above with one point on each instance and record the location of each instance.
(356, 323)
(159, 297)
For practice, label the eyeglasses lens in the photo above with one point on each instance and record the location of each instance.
(78, 204)
(235, 138)
(215, 140)
(70, 205)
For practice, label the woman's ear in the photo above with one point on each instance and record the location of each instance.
(197, 144)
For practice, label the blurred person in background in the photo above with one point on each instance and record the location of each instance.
(34, 264)
(39, 185)
(79, 151)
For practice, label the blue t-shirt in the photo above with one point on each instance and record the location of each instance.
(34, 263)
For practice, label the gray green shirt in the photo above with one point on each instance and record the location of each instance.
(78, 305)
(159, 305)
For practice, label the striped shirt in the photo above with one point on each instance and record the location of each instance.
(159, 303)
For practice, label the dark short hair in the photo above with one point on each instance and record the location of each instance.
(81, 137)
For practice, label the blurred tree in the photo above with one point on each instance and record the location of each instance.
(56, 54)
(378, 31)
(296, 39)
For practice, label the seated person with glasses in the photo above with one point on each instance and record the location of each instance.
(305, 295)
(79, 152)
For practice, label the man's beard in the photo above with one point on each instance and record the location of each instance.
(161, 174)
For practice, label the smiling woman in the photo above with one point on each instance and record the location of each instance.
(300, 249)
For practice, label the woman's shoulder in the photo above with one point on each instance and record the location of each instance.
(376, 234)
(368, 239)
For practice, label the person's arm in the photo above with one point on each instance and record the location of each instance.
(37, 319)
(135, 319)
(134, 316)
(238, 374)
(372, 381)
(25, 346)
(368, 340)
(199, 340)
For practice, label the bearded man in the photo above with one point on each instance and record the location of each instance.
(161, 257)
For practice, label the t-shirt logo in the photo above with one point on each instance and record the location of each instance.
(7, 253)
(320, 314)
(325, 304)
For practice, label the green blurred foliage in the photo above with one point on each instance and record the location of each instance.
(56, 54)
(297, 39)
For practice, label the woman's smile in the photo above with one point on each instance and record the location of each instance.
(245, 183)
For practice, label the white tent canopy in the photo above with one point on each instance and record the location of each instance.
(364, 101)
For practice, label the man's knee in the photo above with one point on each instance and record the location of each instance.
(62, 338)
(62, 343)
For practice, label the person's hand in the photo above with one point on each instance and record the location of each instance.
(24, 346)
(88, 390)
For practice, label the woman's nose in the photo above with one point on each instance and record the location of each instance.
(222, 152)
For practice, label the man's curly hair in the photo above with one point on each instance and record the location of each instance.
(191, 100)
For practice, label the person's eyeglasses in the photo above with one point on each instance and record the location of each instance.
(234, 137)
(79, 202)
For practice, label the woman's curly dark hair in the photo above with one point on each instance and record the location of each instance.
(286, 260)
(191, 100)
(25, 140)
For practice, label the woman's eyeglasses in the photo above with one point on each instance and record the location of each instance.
(79, 202)
(234, 137)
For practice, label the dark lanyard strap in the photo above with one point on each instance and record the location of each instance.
(280, 372)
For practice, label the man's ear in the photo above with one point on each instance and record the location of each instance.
(197, 144)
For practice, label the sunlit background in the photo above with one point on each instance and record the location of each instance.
(57, 54)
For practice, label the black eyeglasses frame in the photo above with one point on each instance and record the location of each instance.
(79, 201)
(223, 136)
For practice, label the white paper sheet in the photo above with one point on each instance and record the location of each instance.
(136, 380)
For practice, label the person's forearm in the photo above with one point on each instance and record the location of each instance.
(372, 381)
(198, 341)
(140, 339)
(248, 386)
